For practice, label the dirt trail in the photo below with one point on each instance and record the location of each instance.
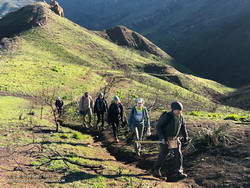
(127, 158)
(15, 169)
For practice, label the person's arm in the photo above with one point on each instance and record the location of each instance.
(163, 121)
(106, 106)
(109, 113)
(95, 106)
(80, 105)
(91, 103)
(184, 130)
(130, 118)
(147, 120)
(122, 112)
(147, 117)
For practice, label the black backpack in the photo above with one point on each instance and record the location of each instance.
(165, 117)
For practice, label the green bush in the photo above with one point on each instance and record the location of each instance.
(235, 117)
(77, 135)
(195, 113)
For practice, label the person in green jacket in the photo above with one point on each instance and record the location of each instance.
(169, 127)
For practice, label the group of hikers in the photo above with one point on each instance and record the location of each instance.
(169, 126)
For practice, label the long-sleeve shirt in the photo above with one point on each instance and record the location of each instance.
(115, 112)
(170, 126)
(86, 103)
(59, 103)
(101, 106)
(138, 116)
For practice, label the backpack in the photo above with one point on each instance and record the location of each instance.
(164, 118)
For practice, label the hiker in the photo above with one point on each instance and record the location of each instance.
(115, 116)
(138, 122)
(86, 106)
(53, 2)
(169, 126)
(55, 7)
(100, 107)
(59, 106)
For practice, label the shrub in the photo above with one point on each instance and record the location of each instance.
(235, 117)
(77, 135)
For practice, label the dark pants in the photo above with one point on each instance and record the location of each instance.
(100, 118)
(59, 111)
(178, 160)
(115, 128)
(84, 114)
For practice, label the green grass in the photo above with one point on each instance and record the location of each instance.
(70, 59)
(10, 108)
(237, 117)
(66, 57)
(75, 146)
(219, 116)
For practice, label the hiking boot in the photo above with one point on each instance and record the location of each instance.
(138, 154)
(180, 175)
(157, 174)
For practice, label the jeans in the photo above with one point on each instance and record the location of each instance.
(115, 128)
(100, 118)
(138, 136)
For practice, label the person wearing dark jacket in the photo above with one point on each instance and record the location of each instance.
(100, 108)
(139, 121)
(169, 127)
(59, 106)
(115, 116)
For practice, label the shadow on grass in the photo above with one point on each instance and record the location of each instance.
(44, 130)
(60, 142)
(88, 158)
(78, 176)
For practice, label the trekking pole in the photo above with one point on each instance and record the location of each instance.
(149, 142)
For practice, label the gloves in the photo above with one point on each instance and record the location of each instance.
(163, 141)
(148, 131)
(186, 139)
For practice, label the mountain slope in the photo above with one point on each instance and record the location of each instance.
(7, 6)
(196, 33)
(61, 54)
(60, 58)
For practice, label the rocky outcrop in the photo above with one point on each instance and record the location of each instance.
(23, 19)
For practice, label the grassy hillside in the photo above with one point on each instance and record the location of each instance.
(50, 55)
(194, 33)
(71, 59)
(33, 154)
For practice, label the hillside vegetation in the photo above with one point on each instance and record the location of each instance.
(60, 54)
(195, 33)
(43, 56)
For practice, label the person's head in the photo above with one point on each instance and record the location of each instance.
(101, 95)
(139, 102)
(177, 108)
(58, 98)
(116, 99)
(86, 94)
